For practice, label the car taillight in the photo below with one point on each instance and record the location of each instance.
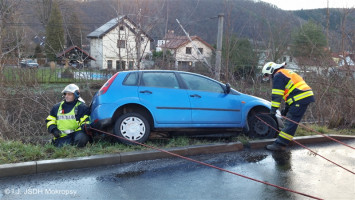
(105, 87)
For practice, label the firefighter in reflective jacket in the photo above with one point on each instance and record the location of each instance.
(297, 95)
(68, 120)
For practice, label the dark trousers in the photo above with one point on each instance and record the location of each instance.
(295, 113)
(78, 138)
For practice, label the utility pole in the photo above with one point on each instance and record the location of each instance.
(219, 47)
(328, 22)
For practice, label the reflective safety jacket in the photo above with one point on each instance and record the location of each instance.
(291, 87)
(68, 117)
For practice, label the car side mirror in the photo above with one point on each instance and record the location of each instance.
(228, 88)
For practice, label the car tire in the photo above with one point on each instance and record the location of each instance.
(258, 129)
(132, 126)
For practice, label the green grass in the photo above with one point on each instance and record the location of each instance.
(16, 151)
(42, 75)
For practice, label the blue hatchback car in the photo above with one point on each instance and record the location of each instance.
(134, 103)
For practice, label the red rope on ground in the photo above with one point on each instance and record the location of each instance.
(318, 132)
(307, 148)
(202, 163)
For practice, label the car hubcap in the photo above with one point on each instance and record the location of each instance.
(132, 128)
(261, 129)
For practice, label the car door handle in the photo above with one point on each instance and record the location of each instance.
(146, 91)
(195, 95)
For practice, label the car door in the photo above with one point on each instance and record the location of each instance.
(209, 102)
(161, 93)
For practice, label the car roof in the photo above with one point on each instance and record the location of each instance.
(162, 70)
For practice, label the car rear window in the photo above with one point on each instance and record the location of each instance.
(131, 79)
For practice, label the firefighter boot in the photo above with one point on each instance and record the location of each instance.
(275, 147)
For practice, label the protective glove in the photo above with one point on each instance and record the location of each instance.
(285, 110)
(85, 127)
(56, 133)
(273, 112)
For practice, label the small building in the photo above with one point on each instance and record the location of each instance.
(76, 57)
(185, 51)
(119, 44)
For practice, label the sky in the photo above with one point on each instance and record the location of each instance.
(311, 4)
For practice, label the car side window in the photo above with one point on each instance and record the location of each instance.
(194, 82)
(160, 79)
(131, 79)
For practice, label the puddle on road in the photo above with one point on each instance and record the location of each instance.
(118, 176)
(252, 157)
(129, 174)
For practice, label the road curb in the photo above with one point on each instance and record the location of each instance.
(41, 166)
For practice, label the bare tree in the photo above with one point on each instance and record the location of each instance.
(9, 16)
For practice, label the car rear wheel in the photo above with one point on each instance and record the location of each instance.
(258, 129)
(132, 126)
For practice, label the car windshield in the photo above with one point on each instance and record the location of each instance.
(30, 61)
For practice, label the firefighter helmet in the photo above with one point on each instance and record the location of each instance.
(72, 88)
(270, 67)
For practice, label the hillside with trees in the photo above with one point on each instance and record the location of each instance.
(257, 21)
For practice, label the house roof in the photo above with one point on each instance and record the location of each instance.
(112, 24)
(347, 68)
(175, 42)
(66, 51)
(324, 61)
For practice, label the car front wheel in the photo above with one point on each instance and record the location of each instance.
(132, 126)
(258, 128)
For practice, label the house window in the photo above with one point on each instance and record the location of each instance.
(120, 65)
(201, 50)
(109, 64)
(121, 43)
(121, 28)
(290, 59)
(188, 50)
(284, 59)
(130, 64)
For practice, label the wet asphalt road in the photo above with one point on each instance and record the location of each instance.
(175, 178)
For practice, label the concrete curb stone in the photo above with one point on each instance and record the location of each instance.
(17, 169)
(76, 163)
(42, 166)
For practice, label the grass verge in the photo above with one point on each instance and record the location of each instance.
(17, 151)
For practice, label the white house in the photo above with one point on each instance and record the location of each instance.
(114, 45)
(184, 51)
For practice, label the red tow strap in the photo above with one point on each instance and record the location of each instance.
(307, 147)
(202, 163)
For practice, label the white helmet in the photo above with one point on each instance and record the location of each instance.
(73, 89)
(270, 67)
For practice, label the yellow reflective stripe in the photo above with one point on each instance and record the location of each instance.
(303, 95)
(285, 135)
(50, 117)
(278, 92)
(50, 123)
(289, 84)
(303, 86)
(83, 119)
(275, 104)
(298, 85)
(300, 96)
